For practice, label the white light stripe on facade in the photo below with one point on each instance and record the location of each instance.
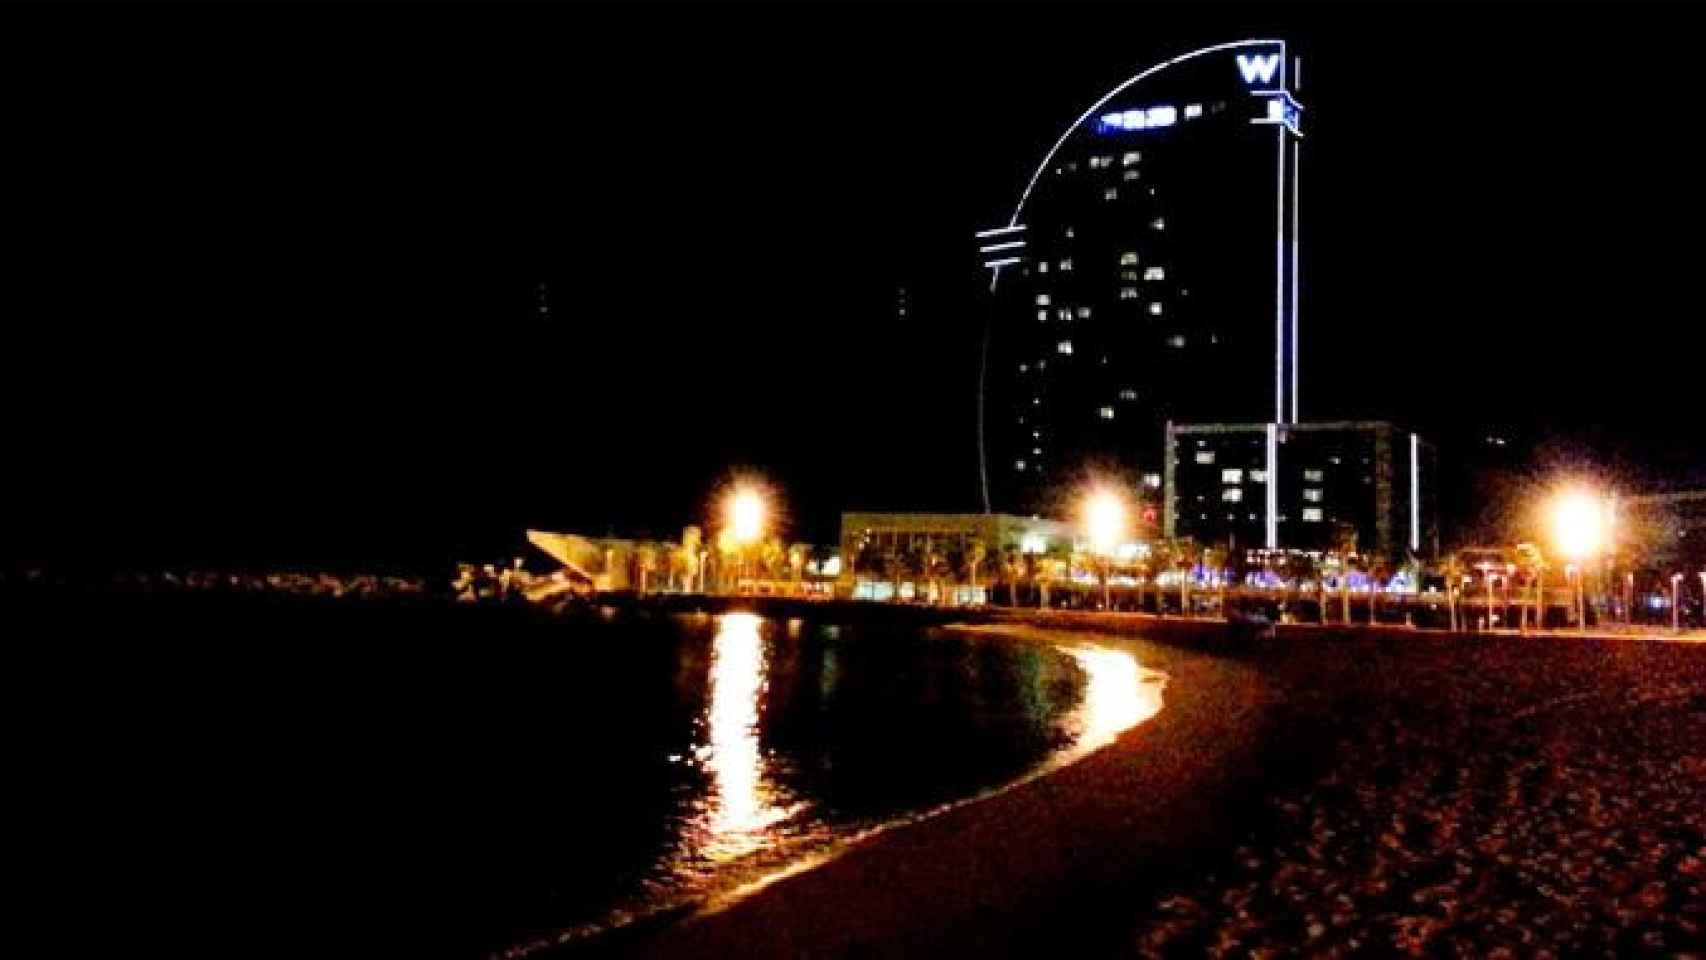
(1296, 211)
(1001, 246)
(1279, 289)
(996, 231)
(1273, 487)
(1049, 157)
(1415, 493)
(1004, 261)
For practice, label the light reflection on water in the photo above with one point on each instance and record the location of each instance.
(1118, 695)
(743, 801)
(763, 810)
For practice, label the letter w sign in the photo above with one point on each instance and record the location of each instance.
(1258, 68)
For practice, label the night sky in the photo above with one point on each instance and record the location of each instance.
(271, 274)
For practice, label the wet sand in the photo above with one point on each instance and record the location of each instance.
(1402, 794)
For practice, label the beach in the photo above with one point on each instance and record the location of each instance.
(1390, 793)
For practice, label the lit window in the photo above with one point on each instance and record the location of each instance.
(1019, 465)
(1065, 313)
(1128, 276)
(1129, 175)
(1069, 233)
(1107, 413)
(1312, 514)
(1232, 495)
(1313, 475)
(1159, 223)
(1128, 394)
(1024, 367)
(1176, 340)
(1066, 264)
(1128, 293)
(1312, 495)
(1064, 347)
(1042, 300)
(1131, 157)
(1036, 401)
(1205, 456)
(1128, 258)
(1232, 475)
(1036, 434)
(1042, 267)
(1097, 163)
(1155, 308)
(1152, 481)
(1154, 273)
(1193, 111)
(1042, 316)
(1112, 193)
(1083, 313)
(1162, 116)
(1258, 476)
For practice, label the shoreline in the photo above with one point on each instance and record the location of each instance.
(1194, 829)
(957, 858)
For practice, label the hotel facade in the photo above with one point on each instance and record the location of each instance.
(1148, 274)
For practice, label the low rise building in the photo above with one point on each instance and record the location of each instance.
(1364, 487)
(947, 558)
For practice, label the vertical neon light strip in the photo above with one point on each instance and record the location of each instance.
(1296, 171)
(1415, 493)
(1279, 287)
(1273, 486)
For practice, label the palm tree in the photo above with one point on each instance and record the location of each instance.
(1163, 557)
(975, 556)
(645, 561)
(1303, 567)
(933, 561)
(1379, 572)
(1453, 570)
(1214, 563)
(1012, 568)
(1532, 560)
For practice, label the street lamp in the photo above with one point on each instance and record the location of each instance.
(1579, 522)
(744, 517)
(1104, 525)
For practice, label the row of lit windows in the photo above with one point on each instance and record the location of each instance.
(1310, 514)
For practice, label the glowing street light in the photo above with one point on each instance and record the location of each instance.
(1104, 526)
(745, 511)
(1104, 520)
(744, 519)
(1580, 523)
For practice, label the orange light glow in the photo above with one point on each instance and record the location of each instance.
(1579, 524)
(1118, 695)
(742, 800)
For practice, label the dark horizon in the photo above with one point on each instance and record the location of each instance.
(275, 271)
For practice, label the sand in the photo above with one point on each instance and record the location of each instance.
(1411, 794)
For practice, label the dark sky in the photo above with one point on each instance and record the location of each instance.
(271, 272)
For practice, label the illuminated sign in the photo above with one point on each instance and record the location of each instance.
(1258, 68)
(1280, 108)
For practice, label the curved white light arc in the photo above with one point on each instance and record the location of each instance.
(1233, 45)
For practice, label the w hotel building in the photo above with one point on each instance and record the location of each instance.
(1148, 275)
